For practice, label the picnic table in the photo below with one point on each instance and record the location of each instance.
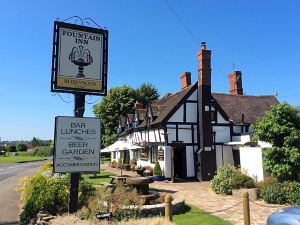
(115, 179)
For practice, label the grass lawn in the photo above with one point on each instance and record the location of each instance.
(20, 159)
(98, 179)
(196, 216)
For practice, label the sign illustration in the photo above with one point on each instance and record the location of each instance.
(77, 144)
(79, 61)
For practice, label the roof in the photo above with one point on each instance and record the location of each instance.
(253, 107)
(163, 107)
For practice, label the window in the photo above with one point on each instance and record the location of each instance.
(154, 154)
(135, 154)
(144, 153)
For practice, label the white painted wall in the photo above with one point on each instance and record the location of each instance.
(191, 112)
(193, 96)
(190, 161)
(221, 119)
(177, 116)
(226, 157)
(251, 162)
(222, 133)
(185, 135)
(152, 136)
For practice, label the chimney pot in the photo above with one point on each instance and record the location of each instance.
(185, 80)
(203, 45)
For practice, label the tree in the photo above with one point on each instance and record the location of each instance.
(21, 147)
(281, 127)
(119, 101)
(147, 93)
(35, 142)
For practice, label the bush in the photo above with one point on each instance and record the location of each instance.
(21, 147)
(157, 170)
(124, 205)
(11, 148)
(228, 178)
(50, 195)
(282, 193)
(43, 151)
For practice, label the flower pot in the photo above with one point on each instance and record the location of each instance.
(158, 178)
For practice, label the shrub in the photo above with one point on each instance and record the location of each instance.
(281, 193)
(124, 205)
(44, 151)
(50, 195)
(157, 170)
(21, 147)
(228, 178)
(11, 148)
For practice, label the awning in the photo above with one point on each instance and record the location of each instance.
(120, 146)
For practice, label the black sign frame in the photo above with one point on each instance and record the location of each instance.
(55, 53)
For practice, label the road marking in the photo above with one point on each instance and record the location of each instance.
(8, 179)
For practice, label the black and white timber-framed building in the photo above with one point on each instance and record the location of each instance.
(187, 131)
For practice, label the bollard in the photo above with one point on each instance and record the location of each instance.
(168, 207)
(246, 208)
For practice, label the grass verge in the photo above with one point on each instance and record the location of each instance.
(196, 216)
(20, 159)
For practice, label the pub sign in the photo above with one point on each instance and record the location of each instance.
(79, 59)
(77, 144)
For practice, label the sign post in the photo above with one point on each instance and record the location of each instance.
(79, 108)
(79, 66)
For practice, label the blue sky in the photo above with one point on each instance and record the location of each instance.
(147, 43)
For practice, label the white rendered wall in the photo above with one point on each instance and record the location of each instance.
(177, 116)
(222, 133)
(193, 96)
(191, 112)
(185, 135)
(251, 162)
(221, 119)
(226, 157)
(190, 167)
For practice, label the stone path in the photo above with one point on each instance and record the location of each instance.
(199, 194)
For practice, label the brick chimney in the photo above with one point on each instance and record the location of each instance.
(204, 66)
(235, 83)
(207, 163)
(138, 105)
(185, 80)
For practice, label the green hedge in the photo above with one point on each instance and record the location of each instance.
(228, 178)
(282, 193)
(43, 151)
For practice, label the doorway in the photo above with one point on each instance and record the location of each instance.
(179, 162)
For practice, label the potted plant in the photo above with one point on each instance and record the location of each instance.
(113, 164)
(157, 172)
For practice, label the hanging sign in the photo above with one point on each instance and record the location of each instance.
(77, 145)
(79, 60)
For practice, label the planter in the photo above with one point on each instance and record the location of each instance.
(158, 178)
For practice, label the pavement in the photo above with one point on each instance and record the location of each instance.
(9, 198)
(200, 194)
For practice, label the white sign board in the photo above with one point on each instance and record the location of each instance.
(80, 59)
(77, 145)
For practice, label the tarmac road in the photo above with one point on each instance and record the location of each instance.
(9, 198)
